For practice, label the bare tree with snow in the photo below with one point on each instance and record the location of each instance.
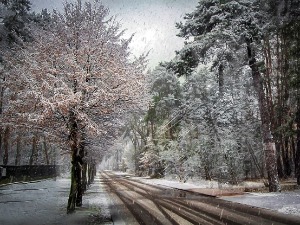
(75, 79)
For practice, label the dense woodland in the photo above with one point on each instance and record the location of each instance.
(227, 107)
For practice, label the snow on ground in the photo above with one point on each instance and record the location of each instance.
(33, 203)
(196, 183)
(45, 202)
(287, 202)
(179, 185)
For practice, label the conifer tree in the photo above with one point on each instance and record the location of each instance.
(234, 25)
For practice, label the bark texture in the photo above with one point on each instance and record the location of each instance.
(18, 153)
(297, 154)
(6, 144)
(34, 153)
(46, 151)
(268, 142)
(73, 139)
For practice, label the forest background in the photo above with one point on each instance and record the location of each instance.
(226, 107)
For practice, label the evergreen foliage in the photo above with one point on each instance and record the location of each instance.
(238, 94)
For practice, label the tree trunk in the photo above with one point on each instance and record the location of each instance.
(255, 160)
(1, 135)
(297, 155)
(18, 153)
(1, 106)
(53, 154)
(80, 157)
(78, 175)
(136, 156)
(269, 144)
(84, 176)
(84, 181)
(34, 153)
(280, 166)
(207, 173)
(88, 173)
(73, 189)
(91, 172)
(73, 140)
(287, 157)
(6, 145)
(221, 80)
(46, 151)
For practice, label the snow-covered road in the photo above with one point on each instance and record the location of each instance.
(34, 203)
(287, 202)
(44, 203)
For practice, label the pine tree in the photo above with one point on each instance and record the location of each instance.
(16, 21)
(234, 25)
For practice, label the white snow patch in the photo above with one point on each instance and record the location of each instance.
(45, 202)
(290, 210)
(285, 202)
(268, 194)
(179, 185)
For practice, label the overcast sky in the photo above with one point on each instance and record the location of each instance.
(152, 21)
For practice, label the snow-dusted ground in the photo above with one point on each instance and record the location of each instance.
(285, 202)
(192, 183)
(44, 203)
(34, 203)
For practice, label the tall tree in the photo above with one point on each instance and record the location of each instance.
(233, 25)
(79, 73)
(280, 60)
(14, 18)
(289, 16)
(14, 30)
(162, 117)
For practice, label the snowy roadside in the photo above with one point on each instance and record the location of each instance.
(287, 202)
(44, 203)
